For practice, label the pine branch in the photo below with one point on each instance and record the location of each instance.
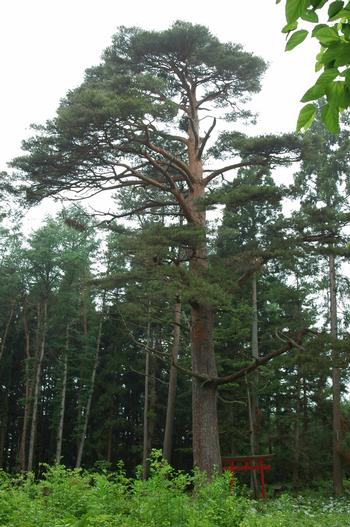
(290, 343)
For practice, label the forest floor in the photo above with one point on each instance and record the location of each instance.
(77, 498)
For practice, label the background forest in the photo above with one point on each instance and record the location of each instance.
(98, 313)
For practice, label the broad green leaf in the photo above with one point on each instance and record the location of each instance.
(313, 93)
(327, 76)
(278, 1)
(290, 27)
(335, 7)
(310, 16)
(321, 85)
(306, 116)
(338, 54)
(317, 4)
(326, 35)
(338, 94)
(294, 9)
(296, 39)
(330, 117)
(343, 13)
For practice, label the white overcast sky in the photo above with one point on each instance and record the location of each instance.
(45, 46)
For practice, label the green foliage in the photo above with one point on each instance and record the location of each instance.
(333, 58)
(76, 498)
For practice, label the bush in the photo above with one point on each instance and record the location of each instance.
(169, 498)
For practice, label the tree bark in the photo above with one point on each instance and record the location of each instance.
(4, 414)
(28, 393)
(59, 438)
(42, 316)
(205, 429)
(252, 389)
(297, 438)
(86, 415)
(6, 330)
(206, 448)
(336, 381)
(145, 449)
(170, 411)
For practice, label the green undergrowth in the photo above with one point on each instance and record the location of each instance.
(78, 498)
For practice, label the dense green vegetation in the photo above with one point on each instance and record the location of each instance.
(76, 498)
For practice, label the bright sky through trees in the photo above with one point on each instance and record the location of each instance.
(46, 46)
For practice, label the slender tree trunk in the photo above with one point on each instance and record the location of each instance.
(252, 390)
(253, 479)
(336, 381)
(152, 410)
(6, 330)
(28, 393)
(145, 451)
(59, 438)
(37, 386)
(4, 414)
(110, 433)
(297, 438)
(170, 411)
(86, 415)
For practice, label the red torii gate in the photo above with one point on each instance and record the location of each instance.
(245, 463)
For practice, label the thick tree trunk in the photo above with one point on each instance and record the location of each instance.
(206, 447)
(170, 411)
(42, 315)
(59, 438)
(205, 430)
(336, 381)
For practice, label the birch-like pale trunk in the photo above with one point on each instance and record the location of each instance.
(42, 314)
(59, 437)
(336, 381)
(170, 410)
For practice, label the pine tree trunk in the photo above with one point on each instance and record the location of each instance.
(59, 438)
(205, 430)
(170, 411)
(86, 415)
(336, 380)
(206, 448)
(42, 315)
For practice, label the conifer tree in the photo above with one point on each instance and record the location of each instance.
(145, 117)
